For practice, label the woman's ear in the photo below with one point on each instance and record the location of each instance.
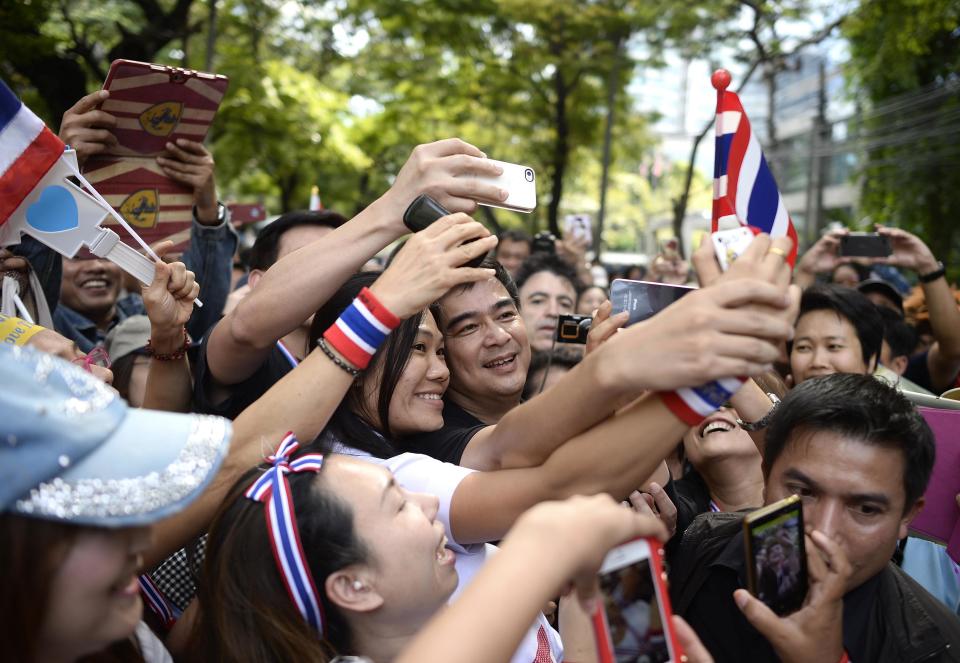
(352, 589)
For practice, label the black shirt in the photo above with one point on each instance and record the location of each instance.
(242, 394)
(448, 443)
(727, 634)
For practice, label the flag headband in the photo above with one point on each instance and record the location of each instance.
(273, 489)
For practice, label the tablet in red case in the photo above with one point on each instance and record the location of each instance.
(154, 104)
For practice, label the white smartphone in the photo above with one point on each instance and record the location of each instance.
(519, 181)
(578, 227)
(728, 245)
(633, 622)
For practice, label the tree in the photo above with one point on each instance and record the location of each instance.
(904, 56)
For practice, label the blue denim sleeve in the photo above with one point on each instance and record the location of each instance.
(210, 257)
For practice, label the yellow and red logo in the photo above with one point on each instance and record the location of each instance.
(140, 208)
(161, 119)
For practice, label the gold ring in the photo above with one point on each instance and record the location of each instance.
(778, 251)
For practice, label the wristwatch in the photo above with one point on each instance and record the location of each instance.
(221, 214)
(930, 277)
(764, 421)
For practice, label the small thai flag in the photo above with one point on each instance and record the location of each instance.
(743, 186)
(28, 149)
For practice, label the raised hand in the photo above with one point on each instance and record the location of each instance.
(604, 326)
(582, 530)
(909, 251)
(430, 263)
(657, 504)
(86, 129)
(442, 170)
(823, 257)
(169, 301)
(815, 632)
(190, 163)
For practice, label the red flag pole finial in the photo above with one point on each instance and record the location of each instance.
(720, 79)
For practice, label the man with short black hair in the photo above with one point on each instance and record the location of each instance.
(548, 288)
(838, 330)
(297, 271)
(513, 247)
(860, 456)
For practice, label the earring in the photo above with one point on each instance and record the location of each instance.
(358, 586)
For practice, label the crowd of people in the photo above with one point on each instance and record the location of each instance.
(333, 459)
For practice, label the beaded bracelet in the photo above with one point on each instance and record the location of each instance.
(361, 329)
(173, 356)
(691, 405)
(322, 344)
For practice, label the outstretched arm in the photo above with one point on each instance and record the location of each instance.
(487, 622)
(729, 329)
(304, 400)
(242, 340)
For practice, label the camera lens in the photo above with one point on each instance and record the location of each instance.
(528, 174)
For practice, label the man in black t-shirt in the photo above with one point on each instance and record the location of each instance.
(860, 457)
(488, 354)
(300, 261)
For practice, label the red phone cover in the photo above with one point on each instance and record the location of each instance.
(154, 104)
(602, 630)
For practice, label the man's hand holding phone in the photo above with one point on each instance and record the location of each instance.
(441, 170)
(86, 128)
(815, 632)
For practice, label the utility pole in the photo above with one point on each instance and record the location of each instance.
(819, 140)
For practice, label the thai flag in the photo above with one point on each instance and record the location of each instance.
(28, 149)
(743, 186)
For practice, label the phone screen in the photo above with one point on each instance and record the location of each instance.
(779, 570)
(643, 299)
(634, 614)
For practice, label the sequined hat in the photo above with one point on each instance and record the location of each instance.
(72, 450)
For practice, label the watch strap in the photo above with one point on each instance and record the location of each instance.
(930, 277)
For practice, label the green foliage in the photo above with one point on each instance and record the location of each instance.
(905, 55)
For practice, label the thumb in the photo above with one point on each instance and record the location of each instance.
(161, 278)
(757, 613)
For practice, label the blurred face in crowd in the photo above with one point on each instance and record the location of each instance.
(825, 343)
(293, 239)
(486, 341)
(719, 437)
(94, 596)
(590, 300)
(852, 491)
(91, 287)
(416, 405)
(511, 254)
(846, 275)
(880, 299)
(411, 573)
(543, 297)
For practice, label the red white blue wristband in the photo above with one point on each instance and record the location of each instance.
(691, 405)
(361, 329)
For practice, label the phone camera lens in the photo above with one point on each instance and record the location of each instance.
(528, 174)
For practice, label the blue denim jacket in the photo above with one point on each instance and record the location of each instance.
(209, 256)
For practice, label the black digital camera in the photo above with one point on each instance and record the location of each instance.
(544, 242)
(573, 328)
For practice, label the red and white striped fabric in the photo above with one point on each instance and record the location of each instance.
(28, 149)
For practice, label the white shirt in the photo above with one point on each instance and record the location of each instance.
(423, 474)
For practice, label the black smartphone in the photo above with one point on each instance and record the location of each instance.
(544, 242)
(865, 245)
(776, 556)
(643, 299)
(423, 211)
(573, 328)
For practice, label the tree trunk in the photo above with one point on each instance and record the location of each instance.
(561, 151)
(288, 186)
